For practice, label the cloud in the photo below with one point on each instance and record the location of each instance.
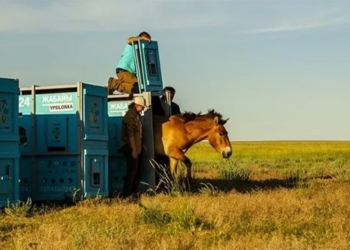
(329, 18)
(302, 26)
(36, 16)
(255, 17)
(106, 15)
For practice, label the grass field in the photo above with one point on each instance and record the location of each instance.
(268, 195)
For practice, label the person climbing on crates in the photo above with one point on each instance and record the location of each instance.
(126, 81)
(175, 108)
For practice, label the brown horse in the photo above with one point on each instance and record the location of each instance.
(176, 134)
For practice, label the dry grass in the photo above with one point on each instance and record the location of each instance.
(296, 196)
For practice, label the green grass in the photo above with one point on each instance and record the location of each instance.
(268, 195)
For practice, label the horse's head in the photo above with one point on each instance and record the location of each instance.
(22, 136)
(218, 138)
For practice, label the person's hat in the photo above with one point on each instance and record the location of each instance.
(139, 100)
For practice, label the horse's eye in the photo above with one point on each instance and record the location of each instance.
(221, 134)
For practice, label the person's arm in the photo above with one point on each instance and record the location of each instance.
(175, 108)
(134, 153)
(135, 38)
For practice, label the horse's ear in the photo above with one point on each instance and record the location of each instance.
(224, 121)
(216, 120)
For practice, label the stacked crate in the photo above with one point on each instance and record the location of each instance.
(9, 139)
(66, 154)
(150, 83)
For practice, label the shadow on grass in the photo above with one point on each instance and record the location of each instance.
(243, 186)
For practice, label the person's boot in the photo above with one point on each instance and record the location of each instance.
(110, 86)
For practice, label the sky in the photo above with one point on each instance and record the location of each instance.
(278, 69)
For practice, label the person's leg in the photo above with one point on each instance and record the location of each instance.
(112, 85)
(127, 83)
(139, 173)
(135, 88)
(131, 172)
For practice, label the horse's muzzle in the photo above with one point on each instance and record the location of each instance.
(226, 154)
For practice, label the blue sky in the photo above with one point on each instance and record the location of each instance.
(279, 69)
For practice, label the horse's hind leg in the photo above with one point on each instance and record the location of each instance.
(186, 161)
(176, 155)
(188, 165)
(173, 166)
(186, 182)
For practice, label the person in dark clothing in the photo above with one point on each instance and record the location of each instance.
(164, 160)
(175, 108)
(132, 147)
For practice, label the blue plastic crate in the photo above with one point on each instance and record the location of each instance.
(148, 66)
(9, 139)
(64, 124)
(117, 107)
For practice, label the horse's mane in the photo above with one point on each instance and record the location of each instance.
(190, 116)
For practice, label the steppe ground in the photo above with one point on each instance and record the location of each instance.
(268, 195)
